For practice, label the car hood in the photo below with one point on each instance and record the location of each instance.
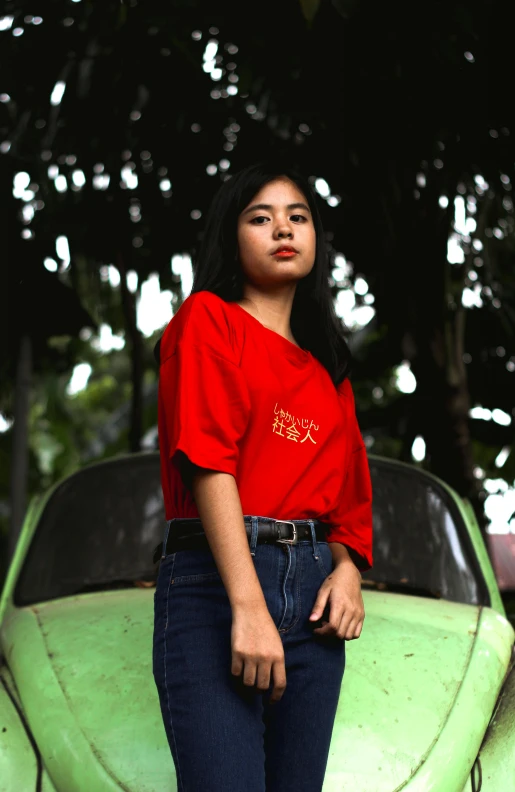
(83, 668)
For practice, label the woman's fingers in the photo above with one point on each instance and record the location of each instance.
(345, 622)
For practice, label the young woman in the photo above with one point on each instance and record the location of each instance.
(267, 498)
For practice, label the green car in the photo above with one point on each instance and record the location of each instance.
(428, 696)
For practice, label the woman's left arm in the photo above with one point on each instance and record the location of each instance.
(350, 541)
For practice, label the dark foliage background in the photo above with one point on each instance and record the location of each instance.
(403, 111)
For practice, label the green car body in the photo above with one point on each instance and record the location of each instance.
(428, 697)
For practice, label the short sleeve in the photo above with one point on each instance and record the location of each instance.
(351, 519)
(203, 395)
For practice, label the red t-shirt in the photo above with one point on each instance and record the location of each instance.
(237, 397)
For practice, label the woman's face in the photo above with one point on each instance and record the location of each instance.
(276, 235)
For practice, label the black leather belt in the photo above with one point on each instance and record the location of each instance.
(187, 533)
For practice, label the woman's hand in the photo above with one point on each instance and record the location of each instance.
(340, 595)
(257, 650)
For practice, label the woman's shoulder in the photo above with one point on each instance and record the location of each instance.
(205, 319)
(206, 310)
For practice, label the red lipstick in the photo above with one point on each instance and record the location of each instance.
(285, 251)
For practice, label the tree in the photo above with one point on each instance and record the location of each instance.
(386, 111)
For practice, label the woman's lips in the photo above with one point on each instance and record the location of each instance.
(285, 253)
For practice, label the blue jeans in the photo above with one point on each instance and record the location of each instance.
(225, 736)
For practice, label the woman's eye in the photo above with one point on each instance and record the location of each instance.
(261, 219)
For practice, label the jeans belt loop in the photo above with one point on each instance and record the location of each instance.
(253, 534)
(165, 539)
(313, 538)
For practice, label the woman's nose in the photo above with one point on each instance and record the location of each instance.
(283, 232)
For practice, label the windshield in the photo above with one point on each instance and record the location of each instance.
(420, 538)
(100, 527)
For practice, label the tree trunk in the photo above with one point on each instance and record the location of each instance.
(437, 343)
(133, 336)
(20, 443)
(445, 405)
(426, 298)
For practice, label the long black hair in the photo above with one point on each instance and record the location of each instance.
(216, 268)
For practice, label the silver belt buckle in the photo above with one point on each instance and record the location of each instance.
(288, 541)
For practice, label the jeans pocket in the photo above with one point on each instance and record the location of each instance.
(165, 567)
(324, 559)
(194, 566)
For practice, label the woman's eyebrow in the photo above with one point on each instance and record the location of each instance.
(269, 207)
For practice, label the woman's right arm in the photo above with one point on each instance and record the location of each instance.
(257, 649)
